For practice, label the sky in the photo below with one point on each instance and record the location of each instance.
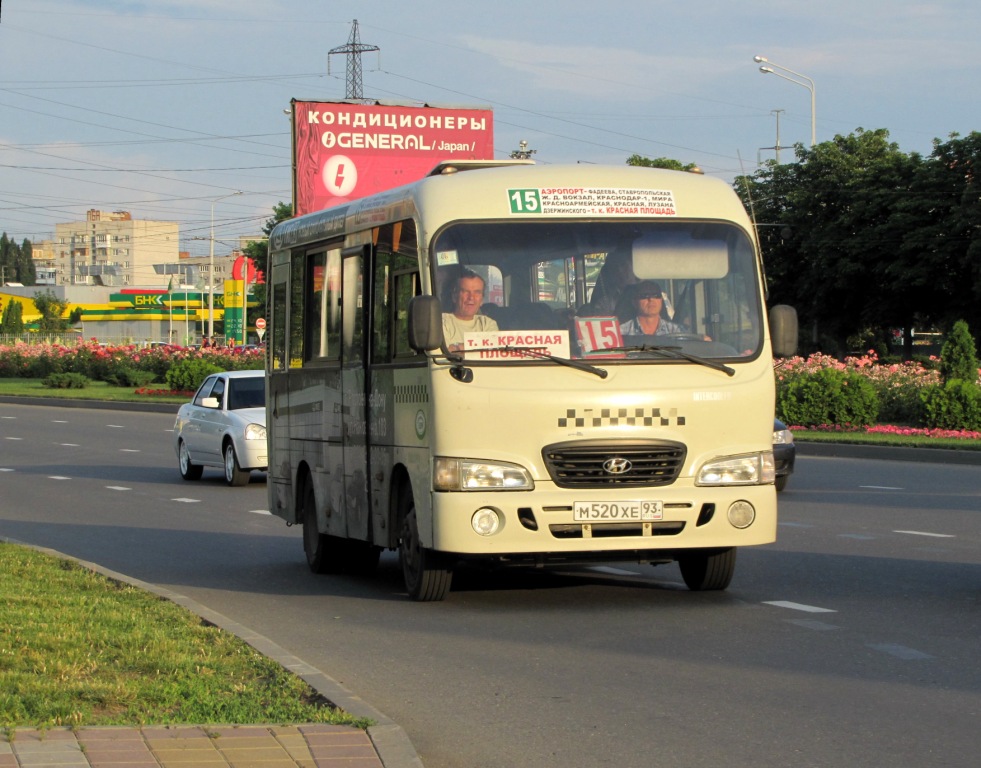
(161, 107)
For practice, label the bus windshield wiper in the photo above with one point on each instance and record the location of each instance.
(676, 352)
(536, 352)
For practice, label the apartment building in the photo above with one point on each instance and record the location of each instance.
(113, 249)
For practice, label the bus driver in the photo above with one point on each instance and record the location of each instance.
(467, 296)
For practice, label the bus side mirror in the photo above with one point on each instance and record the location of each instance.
(783, 330)
(425, 323)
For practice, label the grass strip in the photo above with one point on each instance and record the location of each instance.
(899, 441)
(79, 649)
(95, 390)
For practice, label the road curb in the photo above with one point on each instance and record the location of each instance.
(889, 453)
(390, 741)
(109, 405)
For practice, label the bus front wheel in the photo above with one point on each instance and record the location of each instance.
(426, 573)
(708, 569)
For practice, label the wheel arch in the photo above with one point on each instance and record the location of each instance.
(401, 483)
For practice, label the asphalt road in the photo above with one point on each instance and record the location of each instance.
(852, 641)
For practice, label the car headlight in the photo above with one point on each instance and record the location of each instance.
(782, 437)
(255, 432)
(750, 469)
(471, 475)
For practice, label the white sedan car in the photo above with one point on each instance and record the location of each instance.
(224, 426)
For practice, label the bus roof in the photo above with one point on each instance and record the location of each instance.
(525, 191)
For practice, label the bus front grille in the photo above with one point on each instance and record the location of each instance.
(614, 463)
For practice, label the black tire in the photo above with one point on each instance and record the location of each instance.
(189, 470)
(708, 569)
(781, 482)
(427, 573)
(234, 474)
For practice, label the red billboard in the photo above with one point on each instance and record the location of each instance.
(343, 151)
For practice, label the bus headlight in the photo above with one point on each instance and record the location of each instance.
(470, 475)
(750, 469)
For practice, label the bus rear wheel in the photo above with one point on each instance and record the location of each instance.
(426, 573)
(708, 569)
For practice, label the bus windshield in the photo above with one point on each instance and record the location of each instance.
(615, 291)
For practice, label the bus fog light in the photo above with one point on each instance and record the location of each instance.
(741, 514)
(486, 521)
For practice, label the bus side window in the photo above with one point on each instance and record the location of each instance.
(396, 280)
(352, 324)
(277, 341)
(406, 287)
(294, 347)
(313, 305)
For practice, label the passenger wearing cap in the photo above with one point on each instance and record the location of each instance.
(648, 303)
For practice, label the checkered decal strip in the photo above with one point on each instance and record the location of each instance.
(617, 417)
(412, 393)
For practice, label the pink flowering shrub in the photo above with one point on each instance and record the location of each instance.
(116, 362)
(907, 393)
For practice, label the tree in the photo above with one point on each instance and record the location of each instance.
(13, 318)
(26, 271)
(52, 311)
(661, 162)
(258, 251)
(833, 239)
(958, 358)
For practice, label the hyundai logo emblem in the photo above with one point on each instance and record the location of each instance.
(616, 466)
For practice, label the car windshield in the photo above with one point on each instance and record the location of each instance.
(246, 393)
(616, 291)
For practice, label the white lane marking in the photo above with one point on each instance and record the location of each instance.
(795, 525)
(881, 487)
(115, 426)
(798, 606)
(8, 417)
(858, 536)
(927, 533)
(59, 421)
(118, 488)
(260, 512)
(69, 445)
(820, 626)
(129, 450)
(6, 469)
(13, 438)
(900, 651)
(187, 501)
(58, 477)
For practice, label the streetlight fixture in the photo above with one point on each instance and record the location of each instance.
(809, 84)
(211, 267)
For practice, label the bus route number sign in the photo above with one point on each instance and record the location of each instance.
(525, 200)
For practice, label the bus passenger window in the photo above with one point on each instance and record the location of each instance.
(406, 287)
(313, 302)
(352, 323)
(294, 347)
(277, 341)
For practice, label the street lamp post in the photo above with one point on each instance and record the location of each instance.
(809, 84)
(211, 267)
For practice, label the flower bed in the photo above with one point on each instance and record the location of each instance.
(821, 392)
(104, 363)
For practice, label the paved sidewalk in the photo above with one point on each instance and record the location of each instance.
(247, 746)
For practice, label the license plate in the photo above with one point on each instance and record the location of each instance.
(616, 511)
